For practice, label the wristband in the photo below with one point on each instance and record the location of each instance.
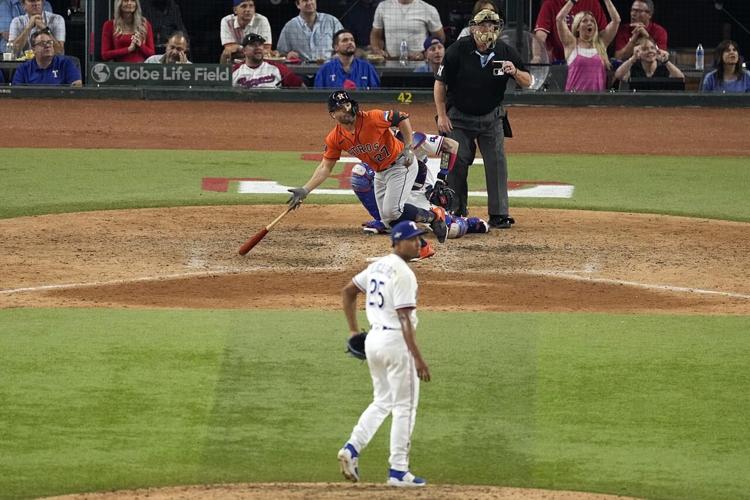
(573, 1)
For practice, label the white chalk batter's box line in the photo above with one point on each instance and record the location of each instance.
(540, 190)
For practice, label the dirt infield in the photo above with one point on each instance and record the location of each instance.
(552, 260)
(337, 491)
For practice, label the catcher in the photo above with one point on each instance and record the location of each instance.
(429, 188)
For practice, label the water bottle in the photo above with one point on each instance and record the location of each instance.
(9, 54)
(699, 58)
(403, 53)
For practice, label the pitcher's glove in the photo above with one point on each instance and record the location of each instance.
(441, 195)
(356, 345)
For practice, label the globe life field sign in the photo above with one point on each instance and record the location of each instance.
(196, 75)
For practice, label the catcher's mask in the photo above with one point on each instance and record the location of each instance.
(486, 26)
(340, 97)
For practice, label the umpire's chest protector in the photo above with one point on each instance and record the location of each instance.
(476, 82)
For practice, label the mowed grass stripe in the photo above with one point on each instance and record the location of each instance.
(40, 181)
(96, 399)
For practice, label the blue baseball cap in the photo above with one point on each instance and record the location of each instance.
(430, 41)
(405, 230)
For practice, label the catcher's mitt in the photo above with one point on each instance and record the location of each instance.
(442, 196)
(356, 345)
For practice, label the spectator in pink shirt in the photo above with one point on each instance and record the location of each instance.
(546, 32)
(586, 48)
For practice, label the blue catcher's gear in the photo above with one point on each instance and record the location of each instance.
(362, 181)
(457, 226)
(477, 225)
(375, 227)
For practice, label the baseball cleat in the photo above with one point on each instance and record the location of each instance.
(501, 221)
(348, 463)
(402, 479)
(438, 224)
(375, 227)
(477, 225)
(426, 251)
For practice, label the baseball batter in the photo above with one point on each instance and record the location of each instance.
(395, 362)
(367, 136)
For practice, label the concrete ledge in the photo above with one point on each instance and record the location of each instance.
(397, 96)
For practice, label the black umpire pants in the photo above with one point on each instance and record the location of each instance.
(487, 130)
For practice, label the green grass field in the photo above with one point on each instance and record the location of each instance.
(51, 181)
(636, 405)
(102, 399)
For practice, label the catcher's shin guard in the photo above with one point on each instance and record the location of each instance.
(457, 226)
(363, 181)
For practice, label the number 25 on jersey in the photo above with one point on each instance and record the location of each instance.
(374, 294)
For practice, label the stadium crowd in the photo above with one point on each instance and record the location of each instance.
(599, 46)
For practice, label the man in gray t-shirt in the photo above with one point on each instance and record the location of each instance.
(36, 19)
(410, 20)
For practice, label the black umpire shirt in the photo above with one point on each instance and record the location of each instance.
(472, 88)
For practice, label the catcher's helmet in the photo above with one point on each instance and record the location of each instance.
(338, 99)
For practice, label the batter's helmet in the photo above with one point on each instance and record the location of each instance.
(339, 98)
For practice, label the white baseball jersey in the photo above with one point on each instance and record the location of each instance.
(389, 284)
(264, 76)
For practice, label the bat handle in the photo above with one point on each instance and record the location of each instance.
(277, 219)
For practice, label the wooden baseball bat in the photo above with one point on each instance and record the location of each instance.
(255, 239)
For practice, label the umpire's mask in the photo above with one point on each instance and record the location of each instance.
(486, 26)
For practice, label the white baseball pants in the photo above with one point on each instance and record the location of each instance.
(395, 391)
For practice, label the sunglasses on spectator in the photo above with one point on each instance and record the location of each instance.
(44, 43)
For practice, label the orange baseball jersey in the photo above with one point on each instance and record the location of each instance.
(372, 141)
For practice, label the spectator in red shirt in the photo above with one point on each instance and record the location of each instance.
(631, 34)
(128, 37)
(545, 30)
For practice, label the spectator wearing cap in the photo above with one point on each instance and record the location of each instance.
(640, 27)
(255, 72)
(434, 51)
(46, 68)
(242, 22)
(176, 51)
(409, 20)
(344, 70)
(309, 36)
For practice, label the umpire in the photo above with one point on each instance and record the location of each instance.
(469, 90)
